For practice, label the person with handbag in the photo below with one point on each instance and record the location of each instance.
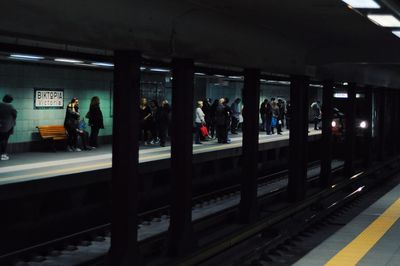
(96, 123)
(199, 121)
(71, 124)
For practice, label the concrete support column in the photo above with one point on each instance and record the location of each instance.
(251, 98)
(181, 237)
(326, 141)
(298, 140)
(124, 247)
(350, 126)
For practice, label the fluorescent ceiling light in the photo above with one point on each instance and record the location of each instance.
(103, 64)
(142, 68)
(26, 57)
(340, 95)
(384, 20)
(219, 76)
(234, 77)
(65, 60)
(159, 70)
(362, 4)
(396, 32)
(199, 74)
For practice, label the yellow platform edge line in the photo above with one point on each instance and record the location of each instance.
(364, 242)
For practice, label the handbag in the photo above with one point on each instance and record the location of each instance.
(273, 122)
(204, 131)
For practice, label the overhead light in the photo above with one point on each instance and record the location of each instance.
(26, 57)
(103, 64)
(333, 124)
(384, 20)
(234, 77)
(345, 83)
(396, 32)
(362, 4)
(65, 60)
(199, 74)
(263, 80)
(159, 70)
(142, 68)
(340, 95)
(316, 85)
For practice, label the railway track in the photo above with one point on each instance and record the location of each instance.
(90, 246)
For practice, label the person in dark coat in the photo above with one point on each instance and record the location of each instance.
(71, 124)
(8, 116)
(282, 111)
(213, 111)
(268, 118)
(96, 123)
(154, 122)
(288, 114)
(164, 119)
(207, 112)
(276, 115)
(145, 117)
(222, 121)
(263, 110)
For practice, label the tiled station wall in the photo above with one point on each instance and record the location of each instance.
(19, 80)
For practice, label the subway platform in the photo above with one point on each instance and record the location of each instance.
(371, 238)
(42, 165)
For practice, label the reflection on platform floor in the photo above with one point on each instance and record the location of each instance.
(39, 165)
(372, 238)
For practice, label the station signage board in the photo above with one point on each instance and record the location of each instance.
(48, 98)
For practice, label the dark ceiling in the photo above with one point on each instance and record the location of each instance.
(321, 38)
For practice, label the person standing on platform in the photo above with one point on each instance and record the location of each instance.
(316, 107)
(235, 108)
(144, 118)
(276, 116)
(282, 111)
(207, 112)
(263, 109)
(154, 128)
(288, 109)
(268, 117)
(164, 118)
(213, 111)
(222, 120)
(96, 123)
(199, 121)
(71, 124)
(8, 117)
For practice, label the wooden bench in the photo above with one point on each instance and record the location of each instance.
(52, 134)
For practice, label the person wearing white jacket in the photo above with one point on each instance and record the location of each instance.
(199, 121)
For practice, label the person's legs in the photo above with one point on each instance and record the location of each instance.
(235, 122)
(268, 126)
(94, 133)
(316, 123)
(197, 133)
(219, 133)
(263, 122)
(163, 136)
(3, 143)
(225, 132)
